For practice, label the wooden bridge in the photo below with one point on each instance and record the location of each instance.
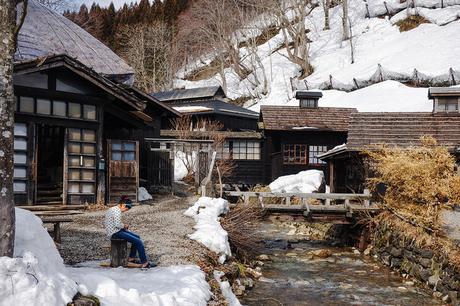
(330, 207)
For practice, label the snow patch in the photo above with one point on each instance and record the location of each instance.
(226, 290)
(175, 285)
(305, 182)
(36, 275)
(143, 195)
(209, 232)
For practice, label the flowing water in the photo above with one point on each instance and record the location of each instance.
(294, 277)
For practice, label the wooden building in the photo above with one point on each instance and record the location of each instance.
(350, 168)
(296, 135)
(243, 143)
(79, 124)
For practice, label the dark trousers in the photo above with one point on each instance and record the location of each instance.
(137, 246)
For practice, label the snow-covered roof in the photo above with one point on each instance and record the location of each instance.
(443, 91)
(45, 33)
(190, 94)
(215, 107)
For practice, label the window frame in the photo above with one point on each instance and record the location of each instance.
(313, 152)
(123, 151)
(293, 159)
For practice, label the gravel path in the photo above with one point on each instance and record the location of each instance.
(162, 226)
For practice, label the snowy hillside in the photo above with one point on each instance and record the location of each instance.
(383, 56)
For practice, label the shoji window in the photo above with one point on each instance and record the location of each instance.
(20, 158)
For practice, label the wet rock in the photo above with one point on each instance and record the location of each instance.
(345, 286)
(396, 252)
(277, 244)
(396, 262)
(247, 282)
(425, 262)
(263, 257)
(83, 300)
(386, 259)
(425, 274)
(258, 263)
(402, 289)
(408, 255)
(253, 273)
(453, 297)
(433, 280)
(324, 253)
(426, 253)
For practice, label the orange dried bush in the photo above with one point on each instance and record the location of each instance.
(419, 181)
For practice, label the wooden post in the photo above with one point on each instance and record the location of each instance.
(57, 232)
(288, 200)
(367, 202)
(118, 253)
(100, 174)
(246, 199)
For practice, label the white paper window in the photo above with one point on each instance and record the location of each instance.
(43, 107)
(74, 110)
(313, 152)
(19, 187)
(59, 108)
(19, 172)
(89, 112)
(20, 144)
(20, 129)
(26, 104)
(20, 158)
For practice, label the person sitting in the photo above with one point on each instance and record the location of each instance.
(117, 230)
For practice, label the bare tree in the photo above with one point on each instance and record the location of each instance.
(294, 31)
(345, 26)
(326, 6)
(9, 31)
(148, 48)
(57, 5)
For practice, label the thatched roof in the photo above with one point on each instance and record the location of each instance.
(46, 33)
(294, 118)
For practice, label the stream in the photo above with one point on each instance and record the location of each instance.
(294, 277)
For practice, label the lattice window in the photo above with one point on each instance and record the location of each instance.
(295, 154)
(249, 150)
(313, 152)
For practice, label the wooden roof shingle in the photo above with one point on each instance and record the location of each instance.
(46, 33)
(294, 118)
(402, 129)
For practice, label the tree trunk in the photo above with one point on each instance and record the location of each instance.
(345, 28)
(7, 48)
(326, 5)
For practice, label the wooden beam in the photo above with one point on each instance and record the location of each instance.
(319, 196)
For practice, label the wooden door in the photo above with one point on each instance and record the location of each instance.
(79, 166)
(123, 169)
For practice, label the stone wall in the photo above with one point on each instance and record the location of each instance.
(422, 264)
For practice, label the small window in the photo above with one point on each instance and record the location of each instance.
(313, 152)
(26, 104)
(308, 103)
(20, 172)
(20, 129)
(249, 150)
(19, 187)
(447, 105)
(124, 150)
(20, 144)
(89, 112)
(43, 107)
(20, 158)
(59, 108)
(74, 134)
(74, 110)
(89, 135)
(89, 148)
(295, 154)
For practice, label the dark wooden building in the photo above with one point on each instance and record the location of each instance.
(296, 135)
(243, 143)
(349, 166)
(79, 124)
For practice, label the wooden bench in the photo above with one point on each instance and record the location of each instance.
(118, 253)
(57, 226)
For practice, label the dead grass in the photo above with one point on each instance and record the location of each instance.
(241, 226)
(419, 181)
(411, 22)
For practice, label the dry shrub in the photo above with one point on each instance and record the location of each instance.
(241, 226)
(419, 181)
(411, 22)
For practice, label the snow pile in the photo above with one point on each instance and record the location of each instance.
(206, 212)
(305, 182)
(172, 286)
(226, 290)
(36, 275)
(143, 195)
(180, 170)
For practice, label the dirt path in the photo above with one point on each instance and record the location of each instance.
(162, 226)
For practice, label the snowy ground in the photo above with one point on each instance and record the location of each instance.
(37, 274)
(381, 51)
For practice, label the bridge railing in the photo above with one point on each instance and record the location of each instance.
(363, 198)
